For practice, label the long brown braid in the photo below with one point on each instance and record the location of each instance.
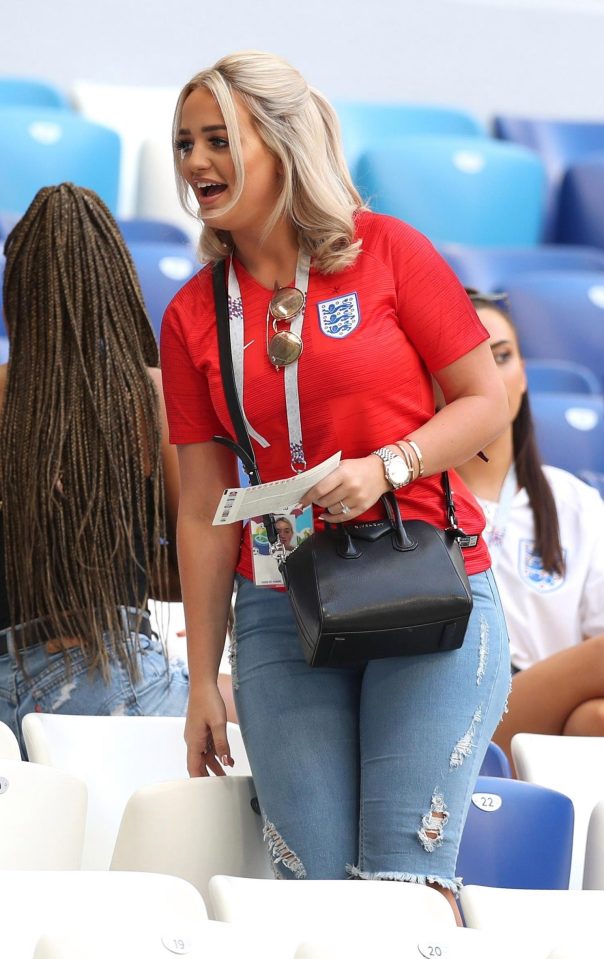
(80, 427)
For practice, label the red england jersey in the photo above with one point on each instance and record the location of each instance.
(372, 335)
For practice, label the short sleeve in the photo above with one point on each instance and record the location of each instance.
(433, 307)
(191, 415)
(592, 598)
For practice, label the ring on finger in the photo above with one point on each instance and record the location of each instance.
(344, 508)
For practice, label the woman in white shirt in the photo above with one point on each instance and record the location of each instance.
(545, 530)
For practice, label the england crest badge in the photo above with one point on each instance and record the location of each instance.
(530, 567)
(340, 316)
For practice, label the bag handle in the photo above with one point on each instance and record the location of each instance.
(243, 447)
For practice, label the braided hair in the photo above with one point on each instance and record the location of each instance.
(80, 463)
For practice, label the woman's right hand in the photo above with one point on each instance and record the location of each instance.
(205, 733)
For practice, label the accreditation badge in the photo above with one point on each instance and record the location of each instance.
(293, 527)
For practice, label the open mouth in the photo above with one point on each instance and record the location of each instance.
(208, 190)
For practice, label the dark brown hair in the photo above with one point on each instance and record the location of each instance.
(80, 463)
(528, 463)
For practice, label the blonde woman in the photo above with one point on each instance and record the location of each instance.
(360, 771)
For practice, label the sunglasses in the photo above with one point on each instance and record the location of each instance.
(285, 347)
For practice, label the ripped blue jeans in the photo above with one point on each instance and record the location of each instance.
(42, 685)
(366, 771)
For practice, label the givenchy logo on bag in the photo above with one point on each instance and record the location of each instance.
(340, 316)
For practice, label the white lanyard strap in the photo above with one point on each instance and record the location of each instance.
(292, 397)
(501, 516)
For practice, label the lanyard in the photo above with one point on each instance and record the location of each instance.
(495, 537)
(292, 397)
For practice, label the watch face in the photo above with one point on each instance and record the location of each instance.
(398, 471)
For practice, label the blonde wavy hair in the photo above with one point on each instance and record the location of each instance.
(302, 130)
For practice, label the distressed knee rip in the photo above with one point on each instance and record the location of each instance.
(280, 851)
(463, 747)
(433, 823)
(483, 650)
(232, 656)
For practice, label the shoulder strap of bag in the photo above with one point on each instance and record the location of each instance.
(243, 447)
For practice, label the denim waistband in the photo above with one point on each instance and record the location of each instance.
(133, 620)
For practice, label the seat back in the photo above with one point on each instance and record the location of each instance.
(496, 763)
(146, 938)
(561, 376)
(35, 902)
(570, 430)
(194, 829)
(115, 756)
(500, 845)
(163, 268)
(559, 143)
(31, 92)
(42, 146)
(581, 203)
(593, 870)
(573, 765)
(9, 744)
(42, 817)
(535, 920)
(146, 230)
(458, 189)
(457, 943)
(156, 194)
(492, 268)
(366, 124)
(560, 316)
(305, 910)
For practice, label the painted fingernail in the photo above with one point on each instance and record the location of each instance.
(226, 760)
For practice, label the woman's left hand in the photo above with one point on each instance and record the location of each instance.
(355, 485)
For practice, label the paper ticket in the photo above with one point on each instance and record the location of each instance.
(243, 503)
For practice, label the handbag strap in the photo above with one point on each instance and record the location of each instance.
(243, 447)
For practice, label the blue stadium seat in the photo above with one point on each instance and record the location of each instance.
(40, 147)
(162, 269)
(496, 763)
(593, 479)
(560, 143)
(561, 376)
(28, 92)
(517, 836)
(492, 268)
(366, 124)
(458, 189)
(140, 230)
(581, 203)
(560, 316)
(570, 430)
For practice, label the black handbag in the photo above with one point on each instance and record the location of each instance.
(363, 591)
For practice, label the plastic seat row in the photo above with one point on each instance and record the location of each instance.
(309, 920)
(145, 815)
(573, 155)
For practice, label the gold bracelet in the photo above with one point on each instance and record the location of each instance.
(409, 460)
(418, 453)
